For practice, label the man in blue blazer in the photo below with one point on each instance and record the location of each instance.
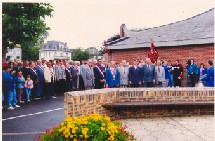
(41, 81)
(148, 74)
(134, 76)
(74, 75)
(112, 76)
(209, 77)
(202, 70)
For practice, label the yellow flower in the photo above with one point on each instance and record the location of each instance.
(102, 128)
(71, 136)
(103, 124)
(73, 131)
(66, 136)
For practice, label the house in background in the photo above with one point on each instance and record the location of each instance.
(94, 53)
(55, 50)
(14, 54)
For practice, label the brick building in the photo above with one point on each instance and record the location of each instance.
(192, 38)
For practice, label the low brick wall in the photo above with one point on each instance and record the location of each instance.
(79, 103)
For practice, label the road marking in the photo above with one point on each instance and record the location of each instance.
(38, 113)
(27, 133)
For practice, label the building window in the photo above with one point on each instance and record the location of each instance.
(49, 54)
(17, 57)
(66, 54)
(55, 54)
(61, 54)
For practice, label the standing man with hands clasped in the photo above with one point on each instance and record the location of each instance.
(135, 75)
(148, 76)
(177, 74)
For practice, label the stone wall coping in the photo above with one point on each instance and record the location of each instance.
(107, 90)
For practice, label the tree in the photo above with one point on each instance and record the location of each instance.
(80, 54)
(23, 24)
(33, 51)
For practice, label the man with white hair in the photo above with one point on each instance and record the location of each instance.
(160, 74)
(148, 71)
(112, 76)
(88, 75)
(124, 72)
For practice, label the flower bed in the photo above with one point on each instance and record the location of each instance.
(93, 127)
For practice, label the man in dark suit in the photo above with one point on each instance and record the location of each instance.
(148, 75)
(33, 75)
(134, 76)
(41, 81)
(74, 74)
(24, 69)
(98, 75)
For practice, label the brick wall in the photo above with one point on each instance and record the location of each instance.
(84, 102)
(200, 53)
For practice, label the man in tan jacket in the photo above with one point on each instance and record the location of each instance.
(49, 80)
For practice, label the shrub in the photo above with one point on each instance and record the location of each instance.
(93, 127)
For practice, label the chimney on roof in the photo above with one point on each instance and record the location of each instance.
(122, 32)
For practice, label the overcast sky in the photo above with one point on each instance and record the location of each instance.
(87, 23)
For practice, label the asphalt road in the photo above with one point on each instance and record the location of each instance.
(28, 121)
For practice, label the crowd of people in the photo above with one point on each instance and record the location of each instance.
(26, 81)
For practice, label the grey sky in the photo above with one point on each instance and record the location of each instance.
(86, 23)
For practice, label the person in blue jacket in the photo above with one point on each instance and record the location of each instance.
(208, 78)
(74, 76)
(134, 76)
(112, 76)
(192, 71)
(41, 81)
(8, 78)
(202, 70)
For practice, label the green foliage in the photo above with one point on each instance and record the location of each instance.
(80, 54)
(93, 127)
(23, 23)
(31, 53)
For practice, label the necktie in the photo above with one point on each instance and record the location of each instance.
(158, 69)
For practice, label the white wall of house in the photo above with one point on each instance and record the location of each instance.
(13, 54)
(51, 55)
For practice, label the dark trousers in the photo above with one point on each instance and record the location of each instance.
(61, 86)
(68, 85)
(148, 84)
(192, 79)
(177, 82)
(74, 83)
(49, 89)
(135, 85)
(81, 83)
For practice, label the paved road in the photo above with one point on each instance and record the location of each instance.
(24, 123)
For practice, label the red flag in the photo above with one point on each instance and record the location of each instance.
(153, 54)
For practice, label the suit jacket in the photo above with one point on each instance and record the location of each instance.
(124, 74)
(159, 76)
(33, 75)
(25, 72)
(109, 78)
(40, 73)
(204, 71)
(135, 75)
(148, 74)
(73, 72)
(47, 75)
(88, 76)
(98, 77)
(209, 78)
(60, 73)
